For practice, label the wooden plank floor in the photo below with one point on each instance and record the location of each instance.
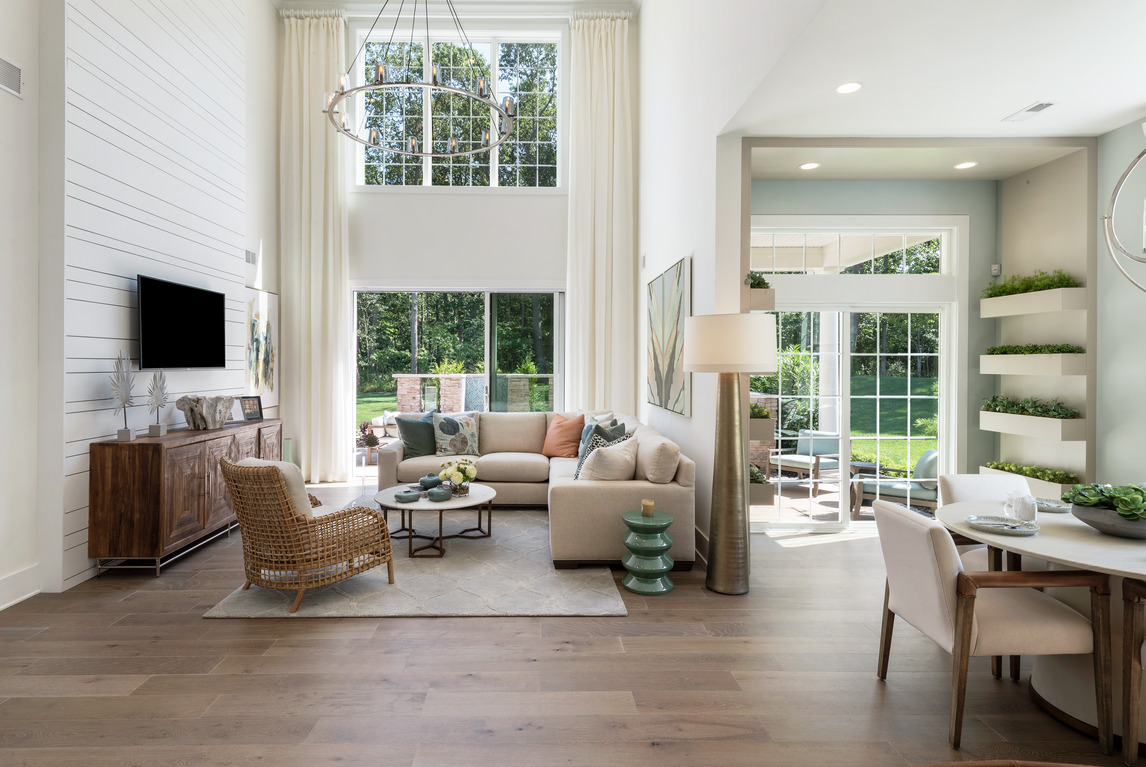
(123, 670)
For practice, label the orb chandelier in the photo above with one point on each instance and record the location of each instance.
(1113, 245)
(388, 77)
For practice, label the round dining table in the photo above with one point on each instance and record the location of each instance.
(1064, 684)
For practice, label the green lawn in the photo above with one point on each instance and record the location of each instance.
(371, 405)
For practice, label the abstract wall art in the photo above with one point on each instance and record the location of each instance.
(669, 303)
(263, 346)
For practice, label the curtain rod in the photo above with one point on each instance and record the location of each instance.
(290, 13)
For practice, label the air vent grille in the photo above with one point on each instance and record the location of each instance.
(1029, 112)
(252, 257)
(11, 78)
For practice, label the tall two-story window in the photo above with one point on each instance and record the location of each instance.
(528, 71)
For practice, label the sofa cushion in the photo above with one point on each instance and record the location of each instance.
(614, 463)
(657, 456)
(417, 435)
(563, 437)
(597, 440)
(511, 432)
(609, 429)
(513, 467)
(456, 434)
(292, 475)
(562, 468)
(412, 469)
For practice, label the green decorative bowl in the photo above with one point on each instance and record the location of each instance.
(439, 494)
(407, 496)
(429, 481)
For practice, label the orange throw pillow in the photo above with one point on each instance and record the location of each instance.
(563, 437)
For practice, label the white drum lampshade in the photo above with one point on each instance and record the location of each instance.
(730, 343)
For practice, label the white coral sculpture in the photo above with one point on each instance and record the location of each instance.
(122, 382)
(157, 394)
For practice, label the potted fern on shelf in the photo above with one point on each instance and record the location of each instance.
(761, 424)
(762, 295)
(761, 492)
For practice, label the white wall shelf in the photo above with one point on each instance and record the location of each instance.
(1056, 429)
(762, 299)
(1040, 488)
(1033, 364)
(1039, 302)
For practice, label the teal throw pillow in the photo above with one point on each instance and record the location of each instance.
(417, 435)
(601, 437)
(456, 434)
(610, 430)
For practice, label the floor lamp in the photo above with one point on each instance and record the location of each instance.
(728, 345)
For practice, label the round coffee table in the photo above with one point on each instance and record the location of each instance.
(479, 498)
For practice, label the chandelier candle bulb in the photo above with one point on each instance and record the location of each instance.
(453, 145)
(413, 144)
(342, 120)
(483, 87)
(485, 138)
(509, 105)
(375, 136)
(342, 81)
(379, 74)
(646, 508)
(435, 74)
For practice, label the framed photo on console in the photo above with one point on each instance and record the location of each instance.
(252, 408)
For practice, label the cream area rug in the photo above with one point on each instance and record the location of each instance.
(508, 574)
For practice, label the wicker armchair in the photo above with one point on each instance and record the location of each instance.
(286, 551)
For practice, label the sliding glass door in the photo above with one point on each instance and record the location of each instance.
(523, 352)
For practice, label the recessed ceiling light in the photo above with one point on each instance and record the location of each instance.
(965, 165)
(848, 88)
(809, 166)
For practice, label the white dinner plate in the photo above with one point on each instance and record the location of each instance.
(1002, 525)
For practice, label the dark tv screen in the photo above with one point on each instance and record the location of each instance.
(180, 326)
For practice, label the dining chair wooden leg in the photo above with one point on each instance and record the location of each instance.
(994, 564)
(960, 659)
(1100, 627)
(1132, 637)
(885, 634)
(1014, 564)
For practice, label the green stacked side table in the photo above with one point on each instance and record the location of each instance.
(648, 561)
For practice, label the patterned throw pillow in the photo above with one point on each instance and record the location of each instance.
(456, 434)
(596, 440)
(615, 430)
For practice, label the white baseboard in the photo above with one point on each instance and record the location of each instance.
(19, 586)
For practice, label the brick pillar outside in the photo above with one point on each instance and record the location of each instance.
(518, 394)
(453, 394)
(759, 451)
(409, 393)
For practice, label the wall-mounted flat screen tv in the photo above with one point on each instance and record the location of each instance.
(180, 326)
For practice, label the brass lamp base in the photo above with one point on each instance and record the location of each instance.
(728, 556)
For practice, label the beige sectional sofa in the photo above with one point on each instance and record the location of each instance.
(585, 525)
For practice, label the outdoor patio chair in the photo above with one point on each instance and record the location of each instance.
(286, 549)
(923, 491)
(815, 451)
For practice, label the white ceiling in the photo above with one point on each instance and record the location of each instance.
(933, 68)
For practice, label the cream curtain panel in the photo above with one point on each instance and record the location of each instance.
(601, 345)
(317, 354)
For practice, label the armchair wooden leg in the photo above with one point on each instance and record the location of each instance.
(390, 569)
(1132, 636)
(297, 600)
(885, 634)
(246, 585)
(960, 659)
(1100, 625)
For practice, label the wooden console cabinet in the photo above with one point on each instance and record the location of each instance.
(155, 496)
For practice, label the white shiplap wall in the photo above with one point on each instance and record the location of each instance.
(154, 184)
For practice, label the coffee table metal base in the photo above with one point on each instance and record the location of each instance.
(437, 543)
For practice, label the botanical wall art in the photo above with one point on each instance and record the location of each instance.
(263, 346)
(669, 303)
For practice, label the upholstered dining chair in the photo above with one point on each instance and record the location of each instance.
(985, 613)
(956, 488)
(1133, 608)
(285, 547)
